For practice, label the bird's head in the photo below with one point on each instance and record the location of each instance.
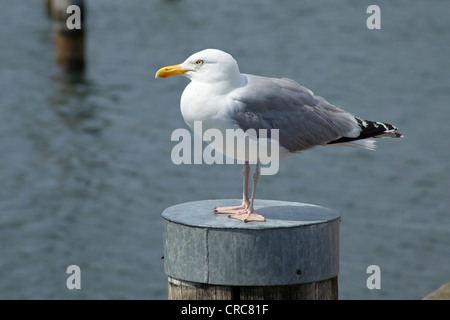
(209, 65)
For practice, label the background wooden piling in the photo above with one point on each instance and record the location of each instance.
(294, 255)
(69, 43)
(48, 7)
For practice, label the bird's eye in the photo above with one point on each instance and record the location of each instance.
(199, 62)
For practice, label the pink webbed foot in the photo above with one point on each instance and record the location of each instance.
(231, 210)
(248, 216)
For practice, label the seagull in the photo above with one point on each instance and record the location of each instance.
(222, 98)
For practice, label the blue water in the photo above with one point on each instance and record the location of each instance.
(85, 162)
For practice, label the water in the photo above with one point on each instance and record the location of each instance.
(85, 161)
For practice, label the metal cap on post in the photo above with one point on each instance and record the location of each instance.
(297, 246)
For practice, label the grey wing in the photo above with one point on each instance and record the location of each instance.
(303, 120)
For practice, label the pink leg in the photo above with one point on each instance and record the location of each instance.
(249, 214)
(245, 201)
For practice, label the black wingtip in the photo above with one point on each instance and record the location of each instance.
(371, 129)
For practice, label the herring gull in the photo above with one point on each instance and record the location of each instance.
(223, 98)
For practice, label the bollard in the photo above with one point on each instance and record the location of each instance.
(69, 43)
(294, 255)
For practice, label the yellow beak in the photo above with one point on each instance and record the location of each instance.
(170, 71)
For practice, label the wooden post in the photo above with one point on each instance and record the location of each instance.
(442, 293)
(294, 255)
(69, 40)
(48, 7)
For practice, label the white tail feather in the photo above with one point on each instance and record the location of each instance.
(364, 143)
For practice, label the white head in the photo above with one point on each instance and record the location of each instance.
(209, 65)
